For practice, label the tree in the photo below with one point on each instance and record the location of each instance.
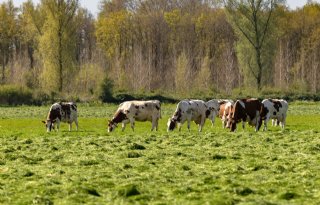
(31, 22)
(8, 32)
(57, 43)
(252, 19)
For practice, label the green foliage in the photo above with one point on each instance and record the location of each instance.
(106, 90)
(89, 80)
(110, 31)
(13, 95)
(57, 44)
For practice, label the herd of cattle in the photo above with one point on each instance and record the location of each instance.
(251, 110)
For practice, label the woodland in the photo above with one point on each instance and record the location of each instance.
(180, 48)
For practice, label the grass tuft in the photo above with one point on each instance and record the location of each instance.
(136, 146)
(134, 155)
(218, 157)
(92, 191)
(28, 174)
(289, 196)
(129, 190)
(244, 191)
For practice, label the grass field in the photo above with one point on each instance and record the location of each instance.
(142, 167)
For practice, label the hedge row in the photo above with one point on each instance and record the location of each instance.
(12, 95)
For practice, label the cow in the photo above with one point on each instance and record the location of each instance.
(246, 110)
(213, 108)
(189, 110)
(276, 110)
(61, 112)
(131, 111)
(225, 111)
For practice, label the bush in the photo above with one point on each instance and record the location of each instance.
(106, 91)
(14, 95)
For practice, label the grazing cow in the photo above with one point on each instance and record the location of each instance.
(225, 111)
(62, 111)
(189, 110)
(246, 110)
(141, 111)
(276, 110)
(213, 107)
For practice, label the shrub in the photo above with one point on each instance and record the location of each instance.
(14, 95)
(106, 91)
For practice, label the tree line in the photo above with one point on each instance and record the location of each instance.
(161, 46)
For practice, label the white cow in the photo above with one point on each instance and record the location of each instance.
(189, 110)
(61, 112)
(141, 111)
(276, 110)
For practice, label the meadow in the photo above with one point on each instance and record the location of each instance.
(215, 166)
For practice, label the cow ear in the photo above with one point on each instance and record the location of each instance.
(44, 122)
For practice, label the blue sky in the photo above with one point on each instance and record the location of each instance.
(92, 5)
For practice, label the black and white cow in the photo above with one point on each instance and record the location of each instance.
(213, 106)
(275, 109)
(189, 110)
(61, 112)
(141, 111)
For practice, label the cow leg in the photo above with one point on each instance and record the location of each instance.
(123, 126)
(58, 125)
(76, 122)
(188, 124)
(243, 124)
(153, 124)
(265, 122)
(70, 126)
(132, 124)
(258, 123)
(283, 121)
(156, 123)
(203, 118)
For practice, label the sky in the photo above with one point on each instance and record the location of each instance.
(93, 5)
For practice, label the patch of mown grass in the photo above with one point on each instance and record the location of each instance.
(213, 167)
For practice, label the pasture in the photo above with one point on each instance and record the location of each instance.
(142, 167)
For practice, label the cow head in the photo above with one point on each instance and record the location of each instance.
(111, 125)
(228, 118)
(49, 124)
(232, 124)
(171, 124)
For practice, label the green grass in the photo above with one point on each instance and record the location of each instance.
(142, 167)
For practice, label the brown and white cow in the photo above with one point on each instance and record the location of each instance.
(275, 109)
(131, 111)
(225, 111)
(61, 112)
(189, 110)
(246, 110)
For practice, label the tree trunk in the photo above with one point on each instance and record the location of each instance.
(259, 74)
(3, 67)
(60, 61)
(30, 55)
